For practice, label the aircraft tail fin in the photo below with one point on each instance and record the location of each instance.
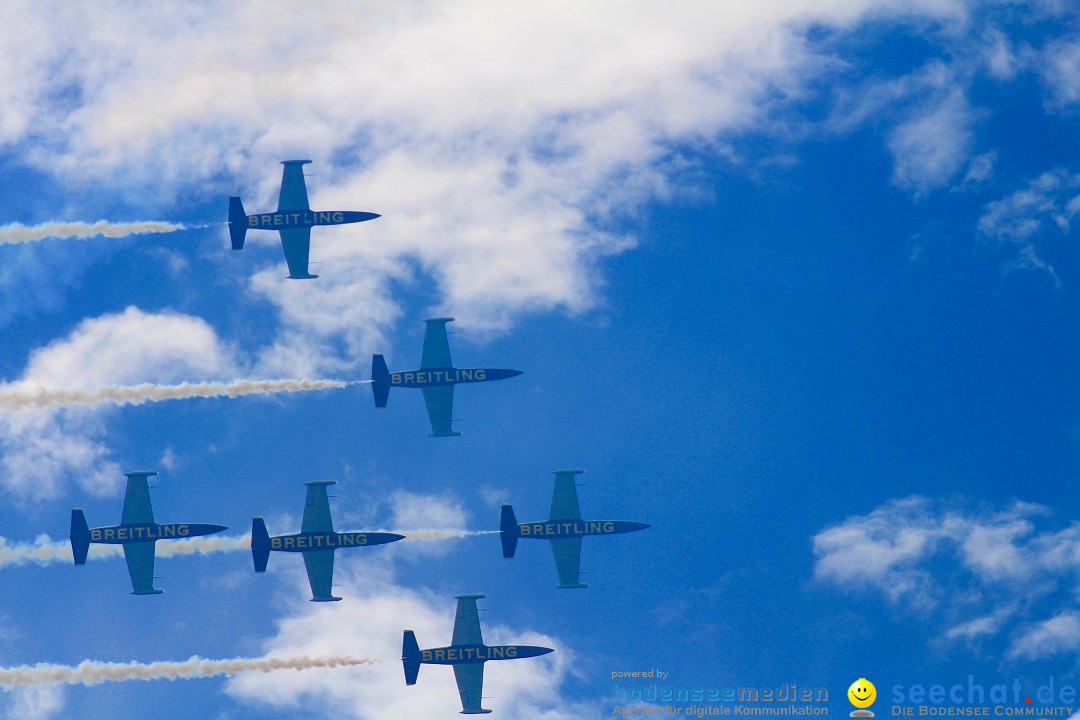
(410, 657)
(380, 377)
(238, 223)
(80, 536)
(260, 544)
(509, 530)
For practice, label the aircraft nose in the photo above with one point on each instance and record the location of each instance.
(514, 373)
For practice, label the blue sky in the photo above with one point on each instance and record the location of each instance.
(793, 283)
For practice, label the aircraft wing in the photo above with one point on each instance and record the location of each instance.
(293, 190)
(564, 503)
(467, 624)
(440, 409)
(470, 685)
(317, 509)
(567, 552)
(320, 573)
(436, 347)
(137, 507)
(296, 242)
(140, 562)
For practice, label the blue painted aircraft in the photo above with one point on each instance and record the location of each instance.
(564, 529)
(316, 540)
(466, 652)
(137, 532)
(293, 219)
(437, 377)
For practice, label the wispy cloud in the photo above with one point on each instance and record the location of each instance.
(1022, 220)
(978, 569)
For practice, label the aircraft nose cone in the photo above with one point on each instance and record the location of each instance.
(514, 373)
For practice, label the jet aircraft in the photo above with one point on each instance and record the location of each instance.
(466, 652)
(293, 220)
(564, 529)
(436, 377)
(316, 540)
(137, 532)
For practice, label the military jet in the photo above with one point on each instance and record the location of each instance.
(316, 540)
(437, 377)
(564, 529)
(137, 532)
(466, 652)
(293, 219)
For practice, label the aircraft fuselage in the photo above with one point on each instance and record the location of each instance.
(555, 529)
(299, 219)
(435, 377)
(466, 654)
(150, 532)
(308, 541)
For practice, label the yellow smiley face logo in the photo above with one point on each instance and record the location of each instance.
(862, 693)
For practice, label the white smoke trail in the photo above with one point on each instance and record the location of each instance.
(46, 551)
(16, 396)
(439, 534)
(91, 672)
(19, 233)
(204, 545)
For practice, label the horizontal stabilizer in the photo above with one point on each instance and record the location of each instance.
(380, 380)
(238, 223)
(260, 544)
(80, 536)
(509, 531)
(410, 657)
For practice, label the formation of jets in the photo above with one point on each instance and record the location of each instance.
(317, 540)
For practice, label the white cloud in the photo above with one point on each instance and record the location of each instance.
(930, 148)
(881, 551)
(36, 703)
(1018, 221)
(41, 448)
(1049, 201)
(981, 168)
(1059, 65)
(1059, 634)
(979, 569)
(501, 144)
